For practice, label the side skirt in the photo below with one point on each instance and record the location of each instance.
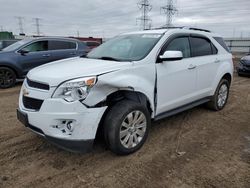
(181, 109)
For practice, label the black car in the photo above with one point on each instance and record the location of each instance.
(17, 59)
(243, 67)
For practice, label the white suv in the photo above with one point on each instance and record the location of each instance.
(124, 84)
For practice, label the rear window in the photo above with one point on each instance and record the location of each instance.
(222, 43)
(201, 47)
(61, 45)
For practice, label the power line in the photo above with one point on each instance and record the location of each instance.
(145, 20)
(170, 10)
(37, 24)
(20, 23)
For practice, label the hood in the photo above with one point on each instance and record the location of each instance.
(246, 60)
(67, 69)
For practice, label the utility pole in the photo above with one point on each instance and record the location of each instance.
(20, 23)
(1, 28)
(170, 10)
(37, 24)
(145, 8)
(78, 34)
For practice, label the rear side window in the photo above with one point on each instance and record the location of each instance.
(222, 43)
(202, 47)
(180, 44)
(61, 45)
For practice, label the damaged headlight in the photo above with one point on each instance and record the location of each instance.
(77, 89)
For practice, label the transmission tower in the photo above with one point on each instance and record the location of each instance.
(37, 24)
(20, 23)
(145, 8)
(170, 10)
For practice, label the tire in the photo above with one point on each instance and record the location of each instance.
(219, 100)
(7, 78)
(121, 135)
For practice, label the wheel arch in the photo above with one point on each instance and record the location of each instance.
(10, 67)
(118, 96)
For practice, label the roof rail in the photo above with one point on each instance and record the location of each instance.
(169, 27)
(197, 29)
(183, 27)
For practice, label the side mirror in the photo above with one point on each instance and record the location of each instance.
(23, 52)
(171, 56)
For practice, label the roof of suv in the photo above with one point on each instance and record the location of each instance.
(177, 29)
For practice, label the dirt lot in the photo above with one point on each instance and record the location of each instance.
(197, 148)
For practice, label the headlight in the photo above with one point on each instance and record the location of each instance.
(77, 89)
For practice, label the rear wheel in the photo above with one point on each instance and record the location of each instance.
(7, 77)
(126, 127)
(219, 100)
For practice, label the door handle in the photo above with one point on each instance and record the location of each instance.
(73, 53)
(191, 67)
(46, 55)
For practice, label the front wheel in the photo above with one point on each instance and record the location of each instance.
(219, 100)
(7, 78)
(126, 127)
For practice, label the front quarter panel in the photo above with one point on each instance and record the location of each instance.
(139, 77)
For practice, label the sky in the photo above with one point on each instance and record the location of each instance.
(107, 18)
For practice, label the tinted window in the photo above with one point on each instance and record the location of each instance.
(180, 44)
(37, 46)
(61, 45)
(222, 43)
(201, 47)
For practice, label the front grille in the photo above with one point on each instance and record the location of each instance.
(31, 103)
(37, 85)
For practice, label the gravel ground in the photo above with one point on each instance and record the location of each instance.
(197, 148)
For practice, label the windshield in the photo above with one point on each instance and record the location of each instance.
(16, 45)
(132, 47)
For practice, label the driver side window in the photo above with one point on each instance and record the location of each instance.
(37, 46)
(180, 44)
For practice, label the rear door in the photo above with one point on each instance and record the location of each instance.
(61, 49)
(37, 54)
(204, 54)
(176, 80)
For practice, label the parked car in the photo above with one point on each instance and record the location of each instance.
(5, 43)
(123, 85)
(243, 67)
(19, 58)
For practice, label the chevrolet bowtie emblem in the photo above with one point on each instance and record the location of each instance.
(25, 92)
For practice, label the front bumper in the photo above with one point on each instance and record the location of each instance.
(51, 120)
(79, 146)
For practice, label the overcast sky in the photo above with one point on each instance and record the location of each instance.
(107, 18)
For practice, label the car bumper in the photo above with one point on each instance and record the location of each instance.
(53, 118)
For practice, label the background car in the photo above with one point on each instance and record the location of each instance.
(5, 43)
(17, 59)
(243, 67)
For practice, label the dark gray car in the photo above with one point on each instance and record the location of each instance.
(17, 59)
(243, 67)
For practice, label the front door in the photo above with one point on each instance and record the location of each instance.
(37, 54)
(176, 80)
